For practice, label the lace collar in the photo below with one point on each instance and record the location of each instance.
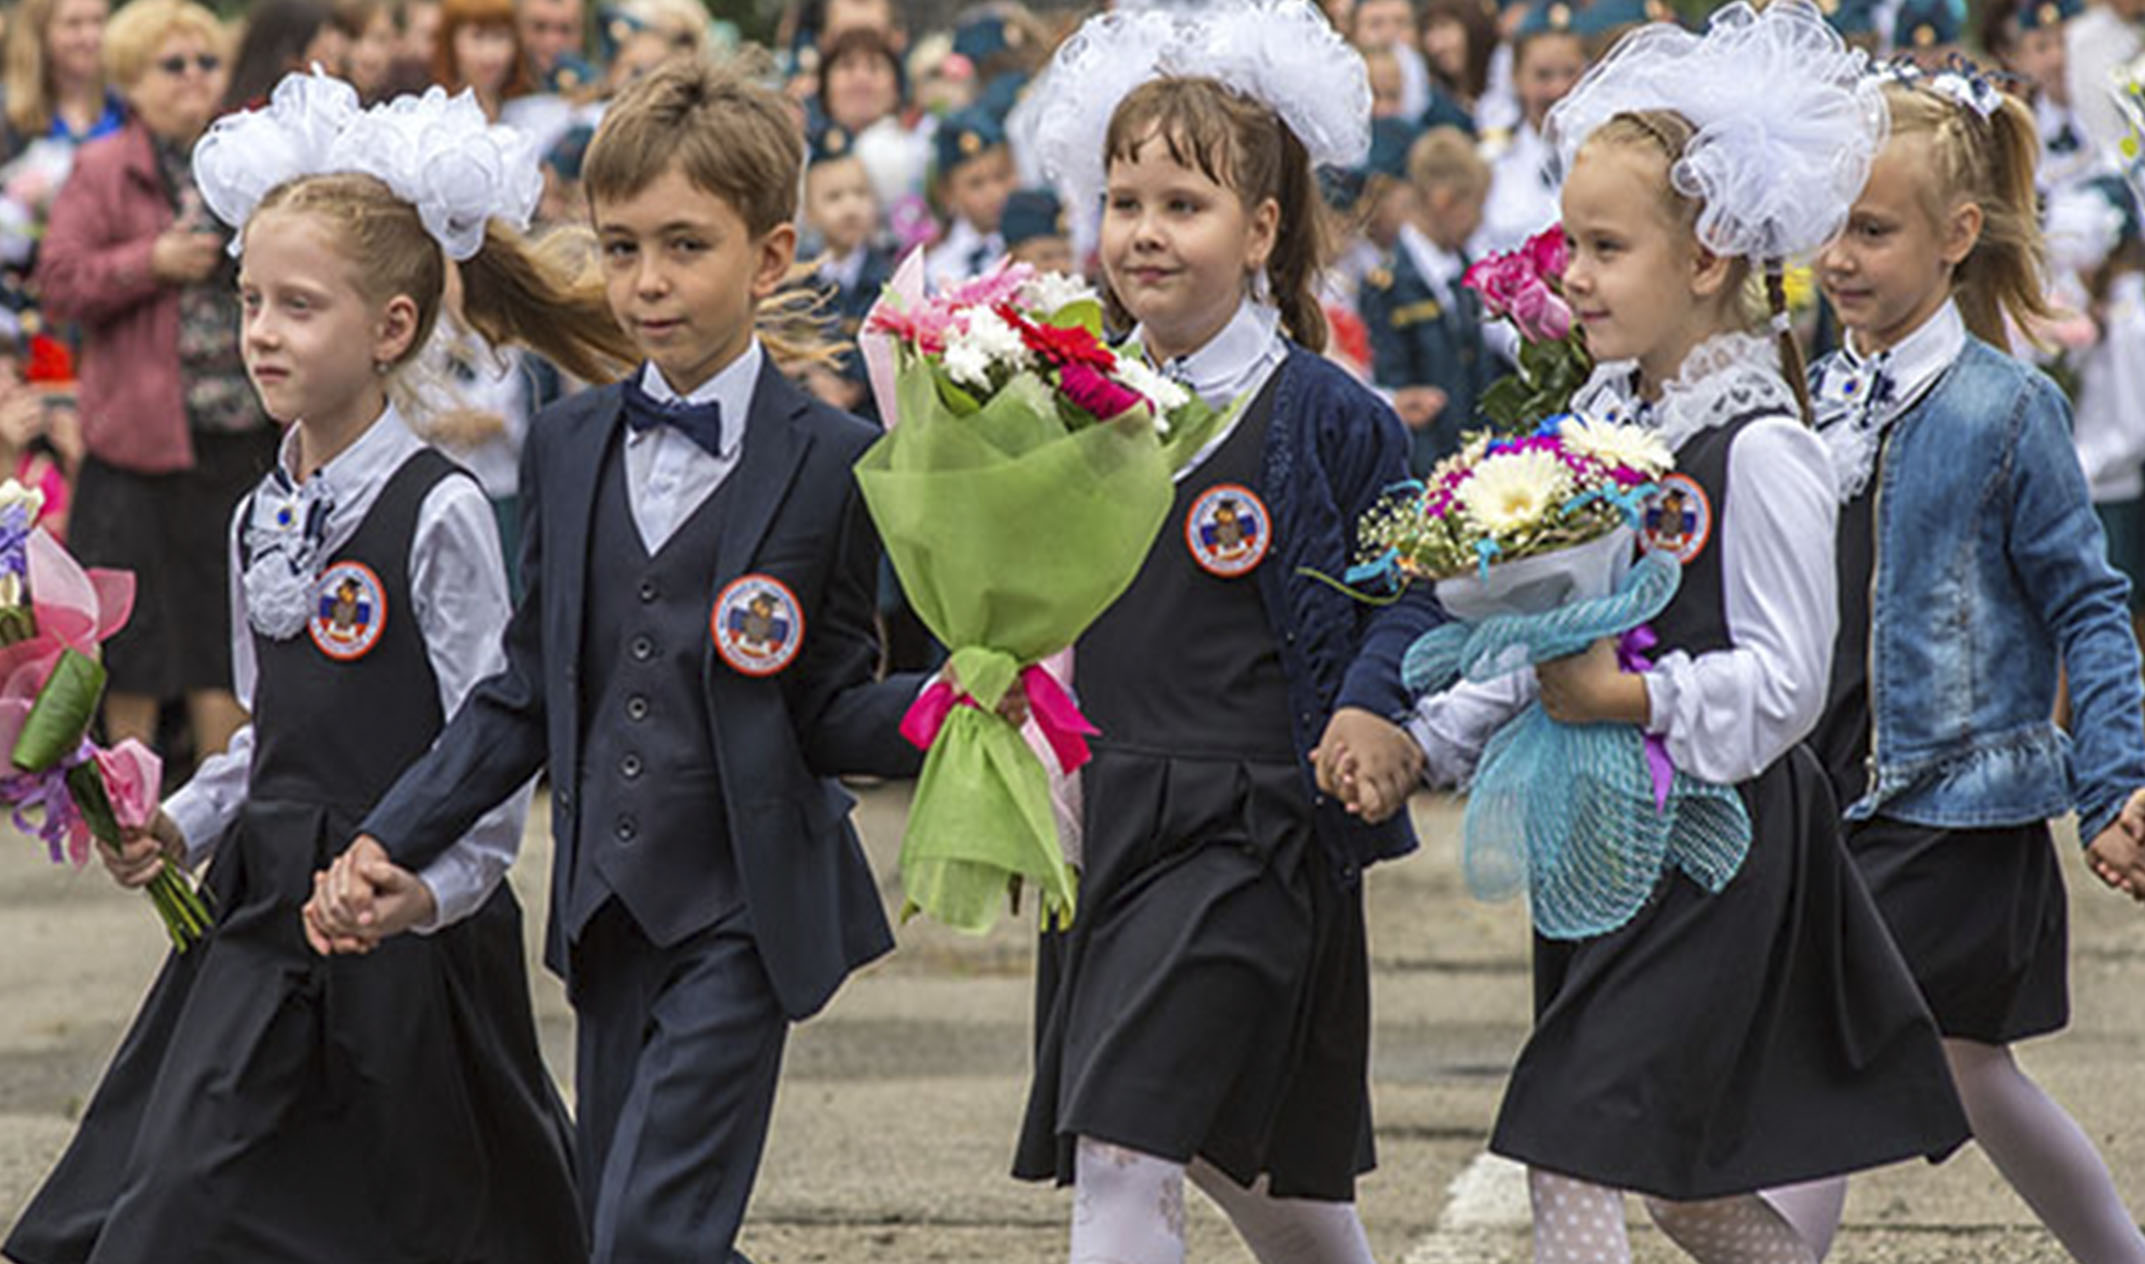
(1857, 397)
(1725, 377)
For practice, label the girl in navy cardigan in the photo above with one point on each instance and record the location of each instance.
(1208, 1011)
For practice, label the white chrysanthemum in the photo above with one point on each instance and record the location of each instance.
(998, 340)
(967, 362)
(13, 493)
(1636, 447)
(1165, 395)
(1514, 490)
(1053, 292)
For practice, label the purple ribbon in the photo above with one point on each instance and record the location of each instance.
(15, 528)
(1631, 650)
(46, 794)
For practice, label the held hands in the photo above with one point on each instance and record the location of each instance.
(143, 853)
(1368, 763)
(1012, 708)
(2117, 856)
(1591, 688)
(363, 898)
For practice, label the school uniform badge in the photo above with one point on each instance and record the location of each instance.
(1228, 530)
(349, 611)
(1678, 520)
(757, 625)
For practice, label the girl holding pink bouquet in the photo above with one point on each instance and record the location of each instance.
(1758, 1030)
(1207, 1012)
(269, 1103)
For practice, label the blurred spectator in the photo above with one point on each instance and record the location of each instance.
(975, 174)
(1547, 59)
(562, 202)
(54, 79)
(282, 36)
(862, 90)
(2108, 35)
(479, 48)
(1458, 39)
(1035, 231)
(553, 34)
(841, 214)
(173, 433)
(368, 28)
(40, 432)
(417, 22)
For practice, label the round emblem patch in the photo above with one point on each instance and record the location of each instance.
(1678, 520)
(349, 611)
(757, 625)
(1228, 530)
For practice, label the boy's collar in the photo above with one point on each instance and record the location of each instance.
(732, 387)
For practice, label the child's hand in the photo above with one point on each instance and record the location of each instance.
(1369, 763)
(1012, 708)
(1591, 688)
(2117, 856)
(1418, 406)
(363, 898)
(22, 417)
(143, 853)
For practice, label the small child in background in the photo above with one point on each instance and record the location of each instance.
(562, 202)
(1036, 232)
(40, 434)
(1426, 332)
(975, 176)
(842, 213)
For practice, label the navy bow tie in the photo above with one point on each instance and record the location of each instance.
(702, 423)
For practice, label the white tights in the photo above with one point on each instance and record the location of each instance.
(1128, 1208)
(1576, 1222)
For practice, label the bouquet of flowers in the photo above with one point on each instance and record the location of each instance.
(1018, 495)
(59, 786)
(1526, 287)
(1523, 525)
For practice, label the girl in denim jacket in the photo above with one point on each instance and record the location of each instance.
(1971, 567)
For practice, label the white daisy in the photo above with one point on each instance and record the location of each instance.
(1511, 491)
(1053, 292)
(1637, 447)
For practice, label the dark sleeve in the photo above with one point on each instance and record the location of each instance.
(1367, 455)
(495, 742)
(847, 721)
(83, 271)
(1388, 348)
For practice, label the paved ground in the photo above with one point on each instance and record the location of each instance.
(898, 1111)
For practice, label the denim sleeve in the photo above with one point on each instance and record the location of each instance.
(2060, 557)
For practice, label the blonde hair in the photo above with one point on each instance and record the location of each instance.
(1665, 134)
(27, 80)
(513, 290)
(1244, 146)
(1988, 162)
(1444, 158)
(732, 138)
(137, 30)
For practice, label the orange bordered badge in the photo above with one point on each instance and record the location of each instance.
(1678, 520)
(1228, 530)
(757, 625)
(349, 611)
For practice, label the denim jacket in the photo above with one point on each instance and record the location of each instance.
(1991, 571)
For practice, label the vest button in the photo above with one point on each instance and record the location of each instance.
(636, 708)
(643, 647)
(564, 799)
(629, 767)
(648, 591)
(626, 830)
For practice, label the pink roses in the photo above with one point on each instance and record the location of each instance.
(1525, 285)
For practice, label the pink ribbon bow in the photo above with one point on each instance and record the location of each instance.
(1060, 721)
(1631, 651)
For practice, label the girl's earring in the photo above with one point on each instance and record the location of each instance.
(380, 367)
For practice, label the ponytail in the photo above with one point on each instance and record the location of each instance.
(545, 295)
(1302, 244)
(1792, 365)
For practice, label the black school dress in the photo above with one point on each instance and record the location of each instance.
(1212, 997)
(269, 1104)
(1979, 914)
(1719, 1044)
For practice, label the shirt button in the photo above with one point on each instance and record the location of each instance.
(648, 591)
(643, 648)
(636, 708)
(629, 767)
(626, 830)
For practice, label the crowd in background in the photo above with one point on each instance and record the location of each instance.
(123, 396)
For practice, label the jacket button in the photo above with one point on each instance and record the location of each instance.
(630, 766)
(626, 830)
(648, 591)
(643, 648)
(636, 708)
(563, 798)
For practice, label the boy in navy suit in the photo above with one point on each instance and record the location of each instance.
(692, 659)
(1425, 327)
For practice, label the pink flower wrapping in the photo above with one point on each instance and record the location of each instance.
(133, 777)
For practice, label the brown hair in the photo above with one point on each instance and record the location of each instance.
(27, 79)
(1443, 158)
(1244, 146)
(456, 14)
(1988, 162)
(513, 290)
(1479, 20)
(1667, 133)
(733, 138)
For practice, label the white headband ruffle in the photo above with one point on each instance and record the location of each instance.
(1787, 122)
(436, 152)
(1281, 53)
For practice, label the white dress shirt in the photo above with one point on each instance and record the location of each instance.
(1440, 267)
(1235, 362)
(1523, 198)
(458, 591)
(1725, 715)
(668, 476)
(955, 258)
